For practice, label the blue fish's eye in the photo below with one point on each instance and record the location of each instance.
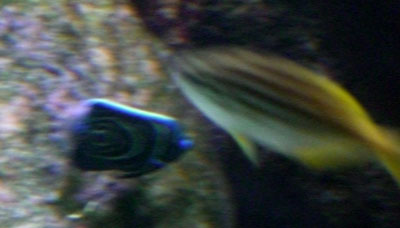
(111, 136)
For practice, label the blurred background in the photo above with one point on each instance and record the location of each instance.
(56, 53)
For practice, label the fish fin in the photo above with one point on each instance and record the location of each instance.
(249, 147)
(390, 156)
(392, 163)
(337, 154)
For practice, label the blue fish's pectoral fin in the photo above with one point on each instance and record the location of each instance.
(332, 155)
(249, 147)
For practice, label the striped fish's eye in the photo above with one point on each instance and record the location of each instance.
(111, 136)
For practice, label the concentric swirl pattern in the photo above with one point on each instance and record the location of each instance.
(114, 136)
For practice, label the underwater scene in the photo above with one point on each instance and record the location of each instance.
(199, 113)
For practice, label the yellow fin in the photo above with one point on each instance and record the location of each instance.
(248, 147)
(392, 164)
(337, 154)
(388, 152)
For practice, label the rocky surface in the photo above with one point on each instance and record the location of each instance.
(54, 54)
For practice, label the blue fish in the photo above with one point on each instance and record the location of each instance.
(112, 136)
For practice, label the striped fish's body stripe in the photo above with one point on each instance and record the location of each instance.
(283, 90)
(259, 85)
(257, 106)
(261, 71)
(270, 130)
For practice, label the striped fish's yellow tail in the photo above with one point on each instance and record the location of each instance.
(392, 164)
(388, 153)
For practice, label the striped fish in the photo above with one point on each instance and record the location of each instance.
(278, 104)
